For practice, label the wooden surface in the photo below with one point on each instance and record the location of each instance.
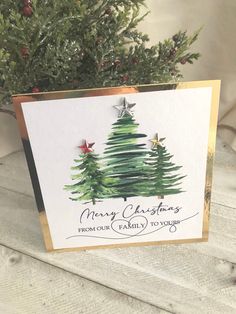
(184, 278)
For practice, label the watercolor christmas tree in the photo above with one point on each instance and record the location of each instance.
(127, 168)
(124, 156)
(161, 176)
(90, 180)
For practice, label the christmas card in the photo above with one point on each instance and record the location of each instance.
(121, 166)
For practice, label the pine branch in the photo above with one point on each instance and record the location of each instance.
(81, 44)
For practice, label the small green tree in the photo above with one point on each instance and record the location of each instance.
(160, 172)
(124, 157)
(90, 180)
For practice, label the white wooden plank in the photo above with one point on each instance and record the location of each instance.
(8, 309)
(14, 173)
(225, 155)
(224, 186)
(31, 287)
(177, 278)
(224, 176)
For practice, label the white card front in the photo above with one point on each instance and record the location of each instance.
(120, 169)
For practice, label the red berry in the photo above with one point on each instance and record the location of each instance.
(27, 11)
(75, 82)
(173, 52)
(125, 78)
(35, 90)
(135, 60)
(24, 52)
(108, 11)
(101, 65)
(175, 37)
(99, 40)
(27, 3)
(183, 61)
(117, 62)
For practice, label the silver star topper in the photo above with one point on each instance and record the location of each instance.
(125, 108)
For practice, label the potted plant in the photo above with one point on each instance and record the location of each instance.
(70, 44)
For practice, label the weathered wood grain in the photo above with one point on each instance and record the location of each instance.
(28, 286)
(224, 176)
(14, 174)
(193, 278)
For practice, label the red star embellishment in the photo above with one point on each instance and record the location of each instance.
(86, 147)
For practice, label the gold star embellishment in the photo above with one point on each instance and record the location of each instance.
(156, 141)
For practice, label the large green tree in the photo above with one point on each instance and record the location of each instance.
(50, 45)
(124, 157)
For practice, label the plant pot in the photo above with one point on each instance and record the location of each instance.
(9, 135)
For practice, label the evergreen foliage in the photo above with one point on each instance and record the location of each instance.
(161, 176)
(124, 157)
(90, 181)
(48, 45)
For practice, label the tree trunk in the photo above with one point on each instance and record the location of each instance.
(94, 202)
(125, 199)
(160, 197)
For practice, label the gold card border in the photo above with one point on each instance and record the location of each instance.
(22, 98)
